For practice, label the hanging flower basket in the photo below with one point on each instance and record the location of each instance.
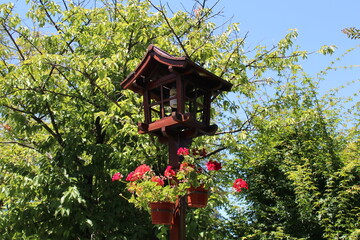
(162, 212)
(157, 193)
(197, 197)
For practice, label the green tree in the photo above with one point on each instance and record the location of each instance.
(302, 169)
(67, 126)
(69, 119)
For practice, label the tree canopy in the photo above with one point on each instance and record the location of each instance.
(67, 126)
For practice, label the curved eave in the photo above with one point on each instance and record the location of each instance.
(202, 72)
(155, 55)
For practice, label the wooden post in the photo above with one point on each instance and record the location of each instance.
(178, 226)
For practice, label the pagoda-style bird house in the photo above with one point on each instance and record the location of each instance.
(177, 94)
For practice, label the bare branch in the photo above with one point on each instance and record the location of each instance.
(216, 151)
(18, 143)
(206, 40)
(65, 5)
(170, 27)
(260, 57)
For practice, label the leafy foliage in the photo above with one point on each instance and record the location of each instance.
(352, 32)
(296, 157)
(67, 126)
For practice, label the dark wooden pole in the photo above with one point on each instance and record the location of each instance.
(178, 226)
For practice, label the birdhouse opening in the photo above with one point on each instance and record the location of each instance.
(162, 102)
(195, 102)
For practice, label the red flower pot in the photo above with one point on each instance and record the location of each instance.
(162, 212)
(197, 197)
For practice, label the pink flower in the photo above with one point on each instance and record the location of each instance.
(158, 180)
(183, 151)
(141, 170)
(117, 176)
(239, 184)
(131, 177)
(169, 172)
(213, 165)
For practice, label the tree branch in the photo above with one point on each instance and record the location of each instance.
(38, 120)
(232, 53)
(28, 40)
(216, 151)
(18, 143)
(58, 29)
(242, 127)
(171, 28)
(53, 123)
(14, 42)
(100, 135)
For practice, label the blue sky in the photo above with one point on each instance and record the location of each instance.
(319, 22)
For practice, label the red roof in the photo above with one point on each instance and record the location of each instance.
(157, 63)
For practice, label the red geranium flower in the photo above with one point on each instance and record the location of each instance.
(239, 184)
(117, 176)
(131, 177)
(158, 180)
(141, 170)
(183, 151)
(169, 172)
(213, 165)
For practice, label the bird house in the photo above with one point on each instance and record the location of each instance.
(177, 94)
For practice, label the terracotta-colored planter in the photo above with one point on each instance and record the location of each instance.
(197, 197)
(162, 212)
